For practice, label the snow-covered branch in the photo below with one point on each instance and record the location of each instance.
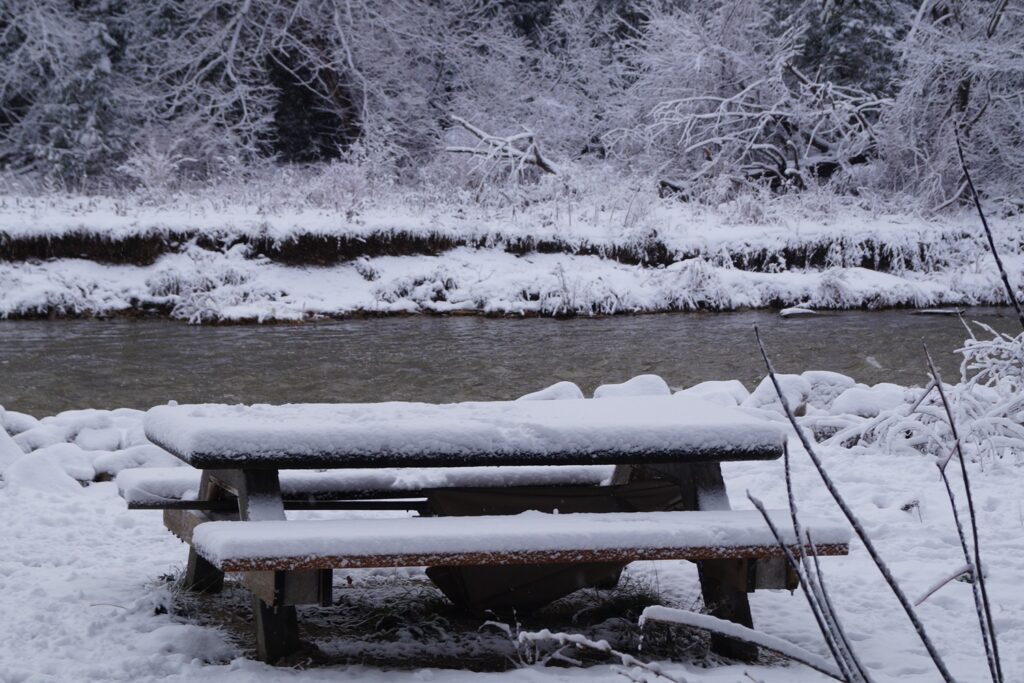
(520, 150)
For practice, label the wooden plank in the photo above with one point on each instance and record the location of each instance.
(301, 587)
(338, 503)
(342, 460)
(724, 584)
(513, 557)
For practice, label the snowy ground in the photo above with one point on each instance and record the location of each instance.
(87, 593)
(204, 261)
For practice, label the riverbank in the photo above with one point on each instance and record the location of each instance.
(205, 262)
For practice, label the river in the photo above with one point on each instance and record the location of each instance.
(48, 366)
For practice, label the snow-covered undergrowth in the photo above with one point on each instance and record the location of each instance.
(987, 404)
(564, 253)
(80, 574)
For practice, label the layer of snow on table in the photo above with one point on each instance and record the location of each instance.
(382, 434)
(526, 532)
(160, 484)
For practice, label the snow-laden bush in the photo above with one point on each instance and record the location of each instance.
(987, 404)
(199, 284)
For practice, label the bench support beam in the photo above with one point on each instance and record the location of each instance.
(277, 623)
(724, 584)
(277, 630)
(200, 575)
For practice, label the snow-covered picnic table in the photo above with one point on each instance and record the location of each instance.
(667, 450)
(664, 429)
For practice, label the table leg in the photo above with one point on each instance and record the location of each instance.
(277, 626)
(200, 575)
(724, 584)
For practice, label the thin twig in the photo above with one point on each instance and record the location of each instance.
(858, 528)
(850, 663)
(937, 586)
(839, 651)
(804, 585)
(988, 231)
(982, 605)
(827, 599)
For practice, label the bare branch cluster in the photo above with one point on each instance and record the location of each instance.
(707, 98)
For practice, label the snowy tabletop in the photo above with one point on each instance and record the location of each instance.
(652, 429)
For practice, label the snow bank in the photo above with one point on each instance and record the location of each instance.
(871, 401)
(40, 472)
(725, 392)
(15, 423)
(559, 391)
(84, 444)
(539, 263)
(641, 385)
(201, 286)
(9, 450)
(796, 389)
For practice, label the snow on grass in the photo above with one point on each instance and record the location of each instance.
(83, 596)
(211, 258)
(200, 286)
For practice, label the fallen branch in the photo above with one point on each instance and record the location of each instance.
(935, 587)
(507, 148)
(706, 622)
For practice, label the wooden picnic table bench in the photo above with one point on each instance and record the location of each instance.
(250, 463)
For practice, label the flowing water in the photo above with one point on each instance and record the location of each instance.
(49, 366)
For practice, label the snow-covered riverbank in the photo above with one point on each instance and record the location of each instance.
(80, 576)
(206, 263)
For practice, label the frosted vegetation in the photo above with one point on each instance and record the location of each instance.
(474, 99)
(767, 151)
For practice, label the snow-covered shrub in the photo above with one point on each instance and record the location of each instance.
(200, 284)
(961, 68)
(695, 284)
(987, 404)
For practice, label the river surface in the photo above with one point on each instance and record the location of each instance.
(49, 366)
